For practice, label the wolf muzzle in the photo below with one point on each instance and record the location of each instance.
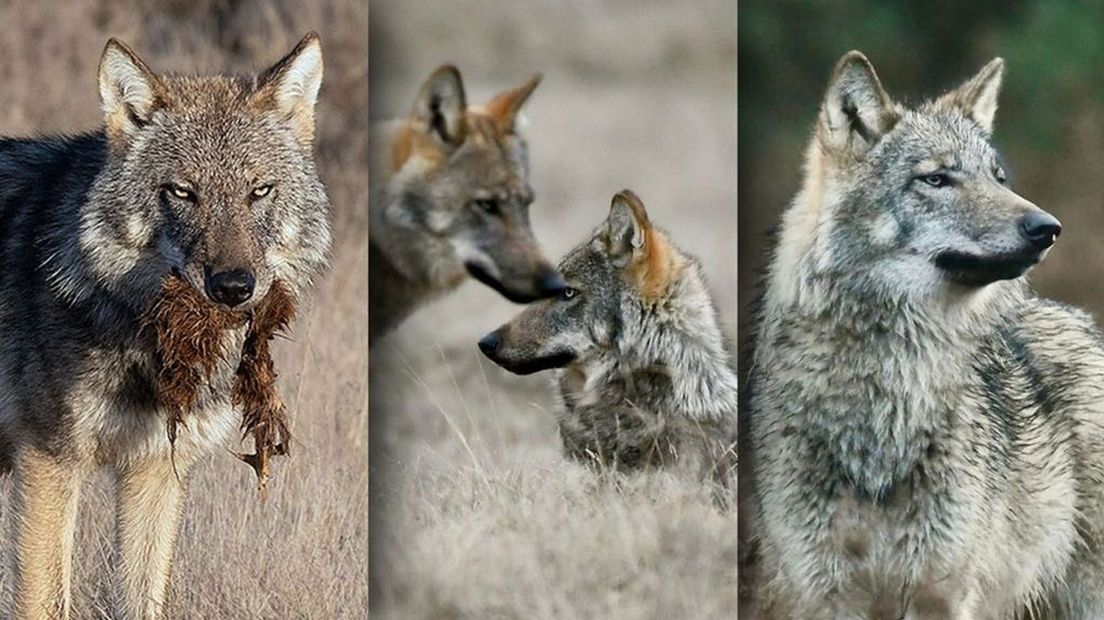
(231, 287)
(1038, 231)
(1041, 229)
(546, 283)
(491, 346)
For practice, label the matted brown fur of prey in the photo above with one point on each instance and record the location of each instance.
(188, 329)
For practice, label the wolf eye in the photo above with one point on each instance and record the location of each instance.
(487, 205)
(178, 191)
(1001, 177)
(936, 180)
(261, 192)
(568, 293)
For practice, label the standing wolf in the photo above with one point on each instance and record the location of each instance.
(454, 201)
(642, 374)
(207, 178)
(928, 435)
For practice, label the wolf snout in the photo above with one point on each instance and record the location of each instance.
(231, 287)
(549, 283)
(1040, 229)
(489, 344)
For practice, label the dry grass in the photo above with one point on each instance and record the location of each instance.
(548, 540)
(301, 554)
(475, 512)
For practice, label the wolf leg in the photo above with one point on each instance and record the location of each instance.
(150, 499)
(48, 490)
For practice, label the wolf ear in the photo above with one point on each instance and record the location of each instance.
(129, 91)
(856, 111)
(291, 85)
(505, 106)
(441, 105)
(977, 98)
(626, 227)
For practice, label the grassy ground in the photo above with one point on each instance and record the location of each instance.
(476, 513)
(303, 553)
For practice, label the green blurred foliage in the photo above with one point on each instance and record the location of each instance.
(1054, 49)
(1051, 106)
(1055, 53)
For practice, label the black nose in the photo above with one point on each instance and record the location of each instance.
(550, 284)
(231, 287)
(1041, 229)
(488, 343)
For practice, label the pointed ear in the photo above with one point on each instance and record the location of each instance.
(129, 91)
(291, 86)
(505, 106)
(977, 98)
(441, 105)
(627, 228)
(856, 111)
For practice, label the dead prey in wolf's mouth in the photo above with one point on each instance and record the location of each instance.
(187, 331)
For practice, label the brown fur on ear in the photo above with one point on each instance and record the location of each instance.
(187, 332)
(408, 142)
(655, 262)
(656, 267)
(504, 108)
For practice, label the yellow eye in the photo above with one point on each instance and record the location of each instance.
(260, 192)
(181, 192)
(937, 180)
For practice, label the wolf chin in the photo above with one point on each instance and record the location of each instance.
(452, 201)
(642, 375)
(926, 433)
(210, 179)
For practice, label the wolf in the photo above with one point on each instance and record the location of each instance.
(928, 435)
(452, 201)
(642, 373)
(210, 180)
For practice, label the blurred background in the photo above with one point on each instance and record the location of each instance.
(302, 553)
(1050, 125)
(475, 512)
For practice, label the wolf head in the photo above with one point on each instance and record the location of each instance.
(209, 177)
(463, 175)
(909, 202)
(626, 266)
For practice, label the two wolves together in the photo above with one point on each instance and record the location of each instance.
(642, 376)
(207, 182)
(927, 436)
